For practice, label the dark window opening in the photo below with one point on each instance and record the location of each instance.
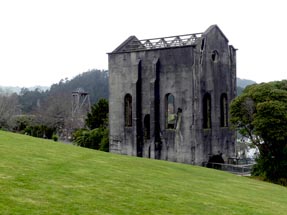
(201, 50)
(170, 112)
(231, 54)
(157, 107)
(128, 110)
(138, 114)
(215, 56)
(202, 44)
(147, 126)
(207, 111)
(223, 110)
(149, 152)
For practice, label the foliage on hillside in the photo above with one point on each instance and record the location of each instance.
(239, 90)
(94, 82)
(38, 176)
(260, 114)
(37, 112)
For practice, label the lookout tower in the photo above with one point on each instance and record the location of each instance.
(81, 104)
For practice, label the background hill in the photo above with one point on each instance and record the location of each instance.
(242, 83)
(52, 107)
(94, 82)
(38, 176)
(8, 90)
(50, 110)
(91, 81)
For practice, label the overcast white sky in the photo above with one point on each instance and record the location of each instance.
(43, 41)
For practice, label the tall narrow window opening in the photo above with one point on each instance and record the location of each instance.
(207, 111)
(128, 110)
(223, 110)
(202, 44)
(170, 112)
(157, 136)
(147, 127)
(138, 114)
(201, 50)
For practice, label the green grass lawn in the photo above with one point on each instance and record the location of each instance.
(44, 177)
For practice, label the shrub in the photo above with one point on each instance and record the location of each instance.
(55, 137)
(41, 131)
(95, 139)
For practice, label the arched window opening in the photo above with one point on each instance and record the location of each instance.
(128, 110)
(170, 112)
(215, 56)
(147, 127)
(207, 111)
(223, 110)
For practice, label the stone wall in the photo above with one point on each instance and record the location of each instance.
(187, 73)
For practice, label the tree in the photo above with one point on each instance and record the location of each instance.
(260, 114)
(8, 108)
(97, 121)
(99, 114)
(30, 100)
(97, 138)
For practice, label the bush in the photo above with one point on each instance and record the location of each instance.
(41, 131)
(104, 145)
(272, 167)
(80, 137)
(95, 139)
(282, 181)
(55, 137)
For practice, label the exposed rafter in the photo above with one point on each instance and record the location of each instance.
(163, 42)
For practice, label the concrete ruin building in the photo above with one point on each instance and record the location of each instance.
(169, 97)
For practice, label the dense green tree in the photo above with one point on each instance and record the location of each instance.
(260, 114)
(97, 121)
(97, 138)
(98, 115)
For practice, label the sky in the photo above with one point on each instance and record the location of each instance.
(44, 41)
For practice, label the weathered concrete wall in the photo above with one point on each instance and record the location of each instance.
(187, 73)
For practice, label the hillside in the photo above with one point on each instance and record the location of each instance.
(43, 177)
(94, 82)
(244, 82)
(4, 90)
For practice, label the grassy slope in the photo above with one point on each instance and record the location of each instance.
(44, 177)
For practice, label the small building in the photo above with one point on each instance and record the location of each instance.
(169, 97)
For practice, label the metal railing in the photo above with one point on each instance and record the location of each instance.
(235, 169)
